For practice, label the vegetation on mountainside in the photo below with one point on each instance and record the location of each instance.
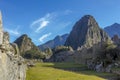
(36, 54)
(59, 71)
(62, 48)
(32, 54)
(27, 48)
(108, 53)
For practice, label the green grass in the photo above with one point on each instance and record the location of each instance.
(59, 71)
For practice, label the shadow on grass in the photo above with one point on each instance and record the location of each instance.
(82, 69)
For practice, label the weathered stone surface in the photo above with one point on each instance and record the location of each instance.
(116, 40)
(83, 56)
(99, 67)
(86, 32)
(1, 29)
(25, 44)
(12, 65)
(108, 68)
(116, 72)
(59, 54)
(60, 57)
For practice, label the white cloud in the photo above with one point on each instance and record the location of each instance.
(41, 23)
(13, 32)
(44, 37)
(44, 21)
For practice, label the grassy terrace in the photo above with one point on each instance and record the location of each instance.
(63, 71)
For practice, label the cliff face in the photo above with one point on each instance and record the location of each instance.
(27, 48)
(12, 65)
(25, 43)
(86, 32)
(116, 40)
(1, 30)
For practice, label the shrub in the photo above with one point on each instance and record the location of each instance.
(62, 48)
(32, 54)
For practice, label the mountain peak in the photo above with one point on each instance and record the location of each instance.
(24, 35)
(86, 21)
(57, 41)
(116, 24)
(57, 37)
(86, 32)
(25, 43)
(87, 16)
(113, 29)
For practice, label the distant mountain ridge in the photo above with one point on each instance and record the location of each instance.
(113, 29)
(57, 41)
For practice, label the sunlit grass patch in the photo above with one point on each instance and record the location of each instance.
(55, 71)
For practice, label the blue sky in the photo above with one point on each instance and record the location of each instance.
(42, 20)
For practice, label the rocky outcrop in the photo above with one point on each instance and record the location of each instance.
(1, 30)
(60, 57)
(57, 41)
(86, 32)
(116, 40)
(12, 65)
(25, 44)
(60, 54)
